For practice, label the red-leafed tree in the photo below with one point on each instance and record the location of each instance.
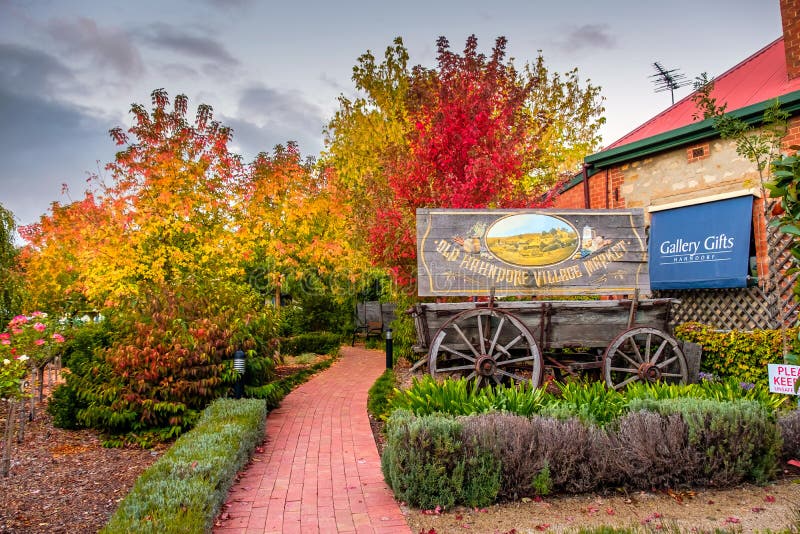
(476, 132)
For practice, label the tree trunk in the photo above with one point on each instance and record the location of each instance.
(8, 434)
(40, 372)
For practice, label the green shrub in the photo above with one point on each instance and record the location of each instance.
(736, 441)
(741, 355)
(380, 394)
(542, 483)
(184, 490)
(316, 342)
(428, 464)
(82, 341)
(63, 406)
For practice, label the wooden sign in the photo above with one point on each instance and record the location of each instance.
(531, 252)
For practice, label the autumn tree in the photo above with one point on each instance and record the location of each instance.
(294, 235)
(154, 246)
(61, 249)
(471, 132)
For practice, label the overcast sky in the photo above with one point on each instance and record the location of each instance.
(69, 71)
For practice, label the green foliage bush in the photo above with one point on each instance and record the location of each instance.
(740, 355)
(184, 490)
(143, 378)
(63, 406)
(316, 342)
(428, 463)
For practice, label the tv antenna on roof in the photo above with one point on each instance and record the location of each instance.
(668, 80)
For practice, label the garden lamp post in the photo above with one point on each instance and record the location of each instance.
(389, 349)
(238, 366)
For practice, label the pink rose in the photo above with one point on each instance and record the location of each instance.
(19, 319)
(58, 338)
(5, 341)
(38, 314)
(5, 335)
(16, 331)
(39, 327)
(40, 342)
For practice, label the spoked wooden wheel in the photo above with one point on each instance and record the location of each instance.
(488, 345)
(644, 354)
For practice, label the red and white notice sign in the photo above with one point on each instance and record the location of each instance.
(782, 378)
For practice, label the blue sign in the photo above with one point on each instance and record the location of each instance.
(701, 246)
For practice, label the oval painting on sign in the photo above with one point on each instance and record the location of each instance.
(532, 240)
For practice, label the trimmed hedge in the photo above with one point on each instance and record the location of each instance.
(442, 460)
(184, 490)
(316, 342)
(428, 463)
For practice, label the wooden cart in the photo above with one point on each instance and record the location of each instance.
(493, 341)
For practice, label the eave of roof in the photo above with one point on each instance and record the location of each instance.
(691, 133)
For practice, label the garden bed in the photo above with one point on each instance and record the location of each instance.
(743, 507)
(65, 480)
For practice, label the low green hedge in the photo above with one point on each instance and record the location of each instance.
(316, 342)
(184, 490)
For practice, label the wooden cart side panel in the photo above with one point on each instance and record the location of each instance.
(568, 324)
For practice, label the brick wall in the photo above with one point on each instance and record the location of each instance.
(790, 17)
(604, 192)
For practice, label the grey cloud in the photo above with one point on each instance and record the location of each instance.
(236, 4)
(27, 71)
(105, 47)
(47, 143)
(166, 36)
(280, 109)
(267, 117)
(251, 138)
(587, 37)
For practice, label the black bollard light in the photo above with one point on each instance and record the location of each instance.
(238, 366)
(389, 349)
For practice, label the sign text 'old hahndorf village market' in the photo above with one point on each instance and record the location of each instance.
(531, 252)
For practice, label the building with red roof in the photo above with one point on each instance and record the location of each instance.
(679, 170)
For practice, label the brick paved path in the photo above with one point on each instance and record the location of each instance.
(320, 470)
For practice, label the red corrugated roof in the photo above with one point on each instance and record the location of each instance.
(760, 77)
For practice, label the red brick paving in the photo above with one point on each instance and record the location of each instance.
(320, 470)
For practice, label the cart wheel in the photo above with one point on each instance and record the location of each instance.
(488, 345)
(645, 354)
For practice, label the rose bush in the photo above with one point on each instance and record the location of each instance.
(27, 343)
